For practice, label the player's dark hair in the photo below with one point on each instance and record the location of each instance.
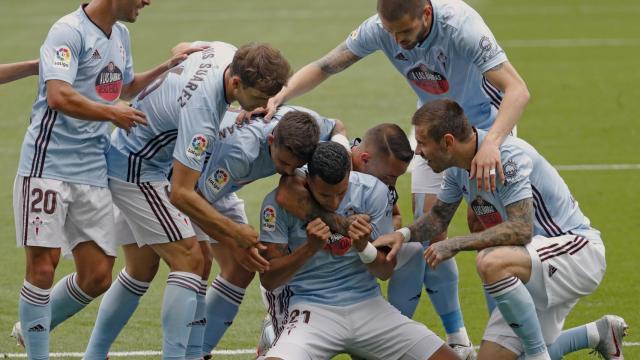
(392, 10)
(331, 162)
(298, 132)
(443, 116)
(389, 140)
(262, 67)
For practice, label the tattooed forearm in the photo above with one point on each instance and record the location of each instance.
(516, 230)
(337, 60)
(275, 251)
(335, 222)
(433, 223)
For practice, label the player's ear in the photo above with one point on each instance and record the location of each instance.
(448, 140)
(270, 138)
(427, 11)
(365, 157)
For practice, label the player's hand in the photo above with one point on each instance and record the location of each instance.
(127, 117)
(180, 52)
(250, 259)
(360, 233)
(439, 252)
(318, 233)
(244, 117)
(486, 165)
(246, 237)
(393, 240)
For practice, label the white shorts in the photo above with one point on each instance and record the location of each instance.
(423, 179)
(59, 214)
(563, 269)
(147, 214)
(372, 329)
(230, 206)
(277, 303)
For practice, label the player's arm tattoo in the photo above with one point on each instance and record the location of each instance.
(337, 60)
(516, 230)
(274, 251)
(335, 222)
(435, 222)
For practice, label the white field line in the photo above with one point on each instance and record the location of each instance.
(570, 42)
(157, 353)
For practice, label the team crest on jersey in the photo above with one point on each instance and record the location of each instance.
(428, 80)
(354, 34)
(109, 82)
(218, 180)
(338, 245)
(62, 58)
(197, 147)
(268, 218)
(489, 48)
(486, 212)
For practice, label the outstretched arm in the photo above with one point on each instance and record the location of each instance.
(19, 70)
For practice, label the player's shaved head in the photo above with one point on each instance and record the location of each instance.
(443, 117)
(330, 162)
(262, 67)
(386, 140)
(298, 132)
(392, 10)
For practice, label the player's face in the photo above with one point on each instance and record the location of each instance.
(249, 98)
(408, 31)
(128, 10)
(328, 196)
(434, 152)
(284, 160)
(386, 168)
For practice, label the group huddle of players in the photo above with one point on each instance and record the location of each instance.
(330, 230)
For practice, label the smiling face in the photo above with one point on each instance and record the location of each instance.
(408, 30)
(128, 10)
(436, 154)
(328, 196)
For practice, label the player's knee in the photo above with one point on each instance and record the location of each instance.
(489, 264)
(194, 259)
(41, 274)
(96, 282)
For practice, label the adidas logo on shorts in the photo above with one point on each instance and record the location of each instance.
(552, 270)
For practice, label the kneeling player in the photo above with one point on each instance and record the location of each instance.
(538, 254)
(336, 304)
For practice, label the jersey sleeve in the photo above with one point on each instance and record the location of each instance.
(196, 134)
(477, 43)
(61, 53)
(273, 221)
(450, 190)
(378, 204)
(517, 167)
(366, 38)
(128, 74)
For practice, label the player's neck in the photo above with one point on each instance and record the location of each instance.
(101, 15)
(467, 152)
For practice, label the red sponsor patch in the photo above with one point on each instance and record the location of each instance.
(338, 244)
(428, 80)
(486, 212)
(109, 82)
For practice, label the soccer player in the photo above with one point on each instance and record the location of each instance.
(19, 70)
(184, 108)
(336, 304)
(444, 50)
(60, 198)
(535, 234)
(245, 153)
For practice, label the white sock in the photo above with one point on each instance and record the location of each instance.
(593, 336)
(459, 337)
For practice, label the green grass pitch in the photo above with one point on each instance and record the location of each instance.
(578, 57)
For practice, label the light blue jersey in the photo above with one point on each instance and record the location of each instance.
(241, 154)
(97, 65)
(449, 63)
(335, 275)
(527, 175)
(184, 109)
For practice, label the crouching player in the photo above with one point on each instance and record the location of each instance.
(336, 304)
(538, 254)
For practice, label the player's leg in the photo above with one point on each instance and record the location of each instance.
(490, 350)
(224, 296)
(380, 331)
(199, 323)
(441, 284)
(405, 285)
(40, 209)
(121, 300)
(276, 302)
(476, 226)
(604, 336)
(504, 270)
(184, 258)
(90, 241)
